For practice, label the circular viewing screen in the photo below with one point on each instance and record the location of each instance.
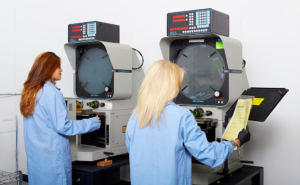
(204, 71)
(95, 71)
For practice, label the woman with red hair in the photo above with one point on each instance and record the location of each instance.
(46, 124)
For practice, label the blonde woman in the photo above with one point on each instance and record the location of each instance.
(162, 137)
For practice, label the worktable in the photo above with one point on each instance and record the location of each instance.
(88, 173)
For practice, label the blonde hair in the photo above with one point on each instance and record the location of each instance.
(161, 85)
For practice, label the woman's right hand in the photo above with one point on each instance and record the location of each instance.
(99, 119)
(244, 136)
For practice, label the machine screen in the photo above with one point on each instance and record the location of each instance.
(204, 71)
(190, 22)
(95, 76)
(95, 71)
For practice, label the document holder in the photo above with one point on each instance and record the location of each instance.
(268, 100)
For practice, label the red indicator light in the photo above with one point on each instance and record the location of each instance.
(76, 30)
(220, 99)
(108, 93)
(74, 37)
(73, 27)
(178, 16)
(178, 20)
(179, 28)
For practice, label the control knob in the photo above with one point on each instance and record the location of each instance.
(217, 94)
(107, 89)
(93, 104)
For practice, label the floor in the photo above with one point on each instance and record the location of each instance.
(120, 183)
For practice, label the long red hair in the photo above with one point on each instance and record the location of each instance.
(42, 70)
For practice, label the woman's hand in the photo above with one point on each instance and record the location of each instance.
(244, 136)
(99, 119)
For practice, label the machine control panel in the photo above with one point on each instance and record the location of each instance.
(83, 32)
(91, 31)
(197, 22)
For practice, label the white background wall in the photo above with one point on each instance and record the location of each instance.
(269, 31)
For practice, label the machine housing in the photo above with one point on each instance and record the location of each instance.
(114, 111)
(236, 83)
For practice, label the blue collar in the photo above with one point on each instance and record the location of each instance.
(170, 103)
(50, 83)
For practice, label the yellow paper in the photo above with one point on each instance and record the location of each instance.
(257, 101)
(239, 119)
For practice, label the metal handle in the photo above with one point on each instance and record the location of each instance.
(108, 153)
(248, 162)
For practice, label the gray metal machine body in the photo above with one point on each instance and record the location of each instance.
(238, 82)
(117, 109)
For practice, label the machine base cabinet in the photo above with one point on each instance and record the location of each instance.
(88, 173)
(242, 175)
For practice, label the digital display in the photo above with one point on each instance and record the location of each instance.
(189, 22)
(179, 20)
(178, 16)
(179, 28)
(83, 32)
(93, 31)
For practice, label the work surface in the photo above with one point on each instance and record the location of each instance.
(237, 178)
(118, 161)
(242, 175)
(88, 173)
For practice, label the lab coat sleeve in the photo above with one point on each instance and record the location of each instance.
(57, 111)
(127, 140)
(127, 135)
(212, 154)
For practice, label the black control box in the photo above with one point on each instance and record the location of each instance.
(201, 21)
(91, 31)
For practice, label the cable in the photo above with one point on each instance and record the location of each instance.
(8, 95)
(244, 63)
(141, 56)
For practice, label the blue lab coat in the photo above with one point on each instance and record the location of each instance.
(46, 138)
(163, 156)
